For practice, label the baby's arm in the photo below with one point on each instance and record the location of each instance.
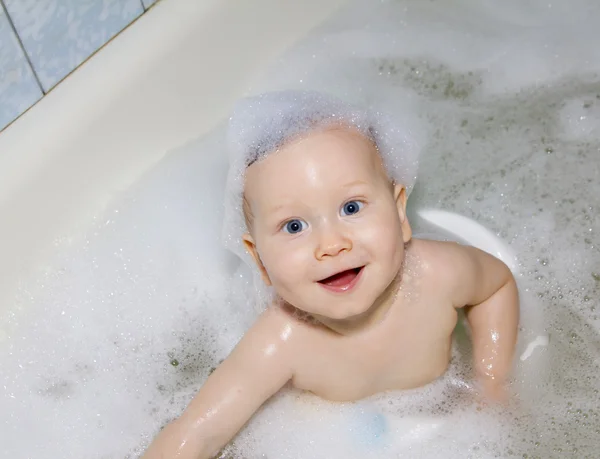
(257, 368)
(487, 288)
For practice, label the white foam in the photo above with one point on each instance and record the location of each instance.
(89, 351)
(580, 119)
(541, 340)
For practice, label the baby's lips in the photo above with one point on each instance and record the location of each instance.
(340, 272)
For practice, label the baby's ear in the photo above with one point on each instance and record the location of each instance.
(400, 198)
(251, 248)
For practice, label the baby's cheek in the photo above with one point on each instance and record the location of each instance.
(382, 235)
(389, 245)
(286, 265)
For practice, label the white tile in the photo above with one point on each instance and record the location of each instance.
(60, 34)
(18, 88)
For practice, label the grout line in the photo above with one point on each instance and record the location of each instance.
(143, 6)
(12, 26)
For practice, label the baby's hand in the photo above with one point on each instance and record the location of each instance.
(493, 391)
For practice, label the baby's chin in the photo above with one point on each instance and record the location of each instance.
(340, 310)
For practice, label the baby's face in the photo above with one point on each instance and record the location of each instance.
(328, 228)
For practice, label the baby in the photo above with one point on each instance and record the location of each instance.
(358, 305)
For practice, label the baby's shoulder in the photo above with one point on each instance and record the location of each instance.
(284, 323)
(436, 254)
(439, 261)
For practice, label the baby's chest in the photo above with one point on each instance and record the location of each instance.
(408, 355)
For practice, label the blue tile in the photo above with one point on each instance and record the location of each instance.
(148, 3)
(60, 34)
(18, 88)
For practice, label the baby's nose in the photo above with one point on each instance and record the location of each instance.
(332, 241)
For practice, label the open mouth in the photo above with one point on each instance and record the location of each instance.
(342, 281)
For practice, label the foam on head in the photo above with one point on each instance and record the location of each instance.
(262, 124)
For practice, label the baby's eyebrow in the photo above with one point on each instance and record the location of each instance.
(278, 207)
(355, 183)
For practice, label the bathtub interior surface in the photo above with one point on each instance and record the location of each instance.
(129, 312)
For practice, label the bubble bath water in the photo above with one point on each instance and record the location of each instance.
(124, 324)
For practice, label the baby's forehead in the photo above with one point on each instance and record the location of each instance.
(337, 145)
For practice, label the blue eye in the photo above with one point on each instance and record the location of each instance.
(294, 226)
(351, 207)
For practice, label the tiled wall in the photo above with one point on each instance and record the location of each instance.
(42, 41)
